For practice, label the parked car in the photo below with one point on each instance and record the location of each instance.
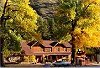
(14, 58)
(62, 63)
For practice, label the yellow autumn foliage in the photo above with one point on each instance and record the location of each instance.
(86, 15)
(31, 58)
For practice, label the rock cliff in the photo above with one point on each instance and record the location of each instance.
(45, 8)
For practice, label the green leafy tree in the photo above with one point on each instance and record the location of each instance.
(43, 28)
(83, 18)
(52, 30)
(18, 21)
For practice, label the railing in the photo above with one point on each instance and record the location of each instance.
(52, 53)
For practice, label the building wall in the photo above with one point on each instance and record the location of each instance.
(37, 49)
(68, 49)
(58, 49)
(54, 49)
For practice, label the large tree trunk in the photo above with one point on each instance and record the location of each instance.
(2, 23)
(73, 42)
(1, 53)
(73, 51)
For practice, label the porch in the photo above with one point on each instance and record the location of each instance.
(42, 58)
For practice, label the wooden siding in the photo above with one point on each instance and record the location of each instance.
(53, 49)
(37, 49)
(57, 49)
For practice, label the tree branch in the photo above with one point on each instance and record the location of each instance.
(4, 10)
(87, 7)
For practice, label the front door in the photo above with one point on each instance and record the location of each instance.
(38, 58)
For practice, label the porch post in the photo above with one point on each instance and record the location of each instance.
(47, 57)
(62, 56)
(56, 57)
(41, 58)
(51, 58)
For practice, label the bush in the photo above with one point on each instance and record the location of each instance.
(30, 58)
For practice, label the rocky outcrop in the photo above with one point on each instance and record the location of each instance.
(45, 8)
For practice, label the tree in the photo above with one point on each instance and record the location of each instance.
(43, 28)
(83, 17)
(18, 21)
(52, 30)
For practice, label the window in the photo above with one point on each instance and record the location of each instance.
(58, 49)
(65, 49)
(47, 49)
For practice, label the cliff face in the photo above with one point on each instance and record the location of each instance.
(45, 8)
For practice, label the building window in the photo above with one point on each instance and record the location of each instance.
(47, 49)
(65, 49)
(58, 49)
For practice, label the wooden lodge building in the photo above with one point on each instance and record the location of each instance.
(47, 49)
